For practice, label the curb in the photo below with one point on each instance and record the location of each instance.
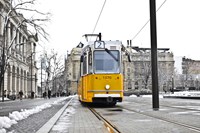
(47, 126)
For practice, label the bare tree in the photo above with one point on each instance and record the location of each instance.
(145, 72)
(188, 71)
(146, 66)
(48, 58)
(54, 69)
(165, 76)
(10, 9)
(58, 69)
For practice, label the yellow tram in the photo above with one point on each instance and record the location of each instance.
(101, 79)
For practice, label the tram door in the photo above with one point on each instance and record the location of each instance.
(84, 83)
(84, 89)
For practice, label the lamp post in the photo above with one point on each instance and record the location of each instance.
(172, 84)
(32, 93)
(197, 82)
(2, 72)
(41, 75)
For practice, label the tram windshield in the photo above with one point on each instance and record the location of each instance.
(106, 61)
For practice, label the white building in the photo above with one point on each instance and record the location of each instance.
(21, 71)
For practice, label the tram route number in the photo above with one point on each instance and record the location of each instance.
(107, 77)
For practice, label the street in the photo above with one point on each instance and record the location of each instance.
(134, 114)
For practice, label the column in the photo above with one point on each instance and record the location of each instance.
(25, 84)
(13, 81)
(17, 81)
(22, 80)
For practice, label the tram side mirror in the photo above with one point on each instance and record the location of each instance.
(81, 58)
(129, 57)
(126, 53)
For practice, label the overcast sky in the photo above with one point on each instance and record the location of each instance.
(178, 23)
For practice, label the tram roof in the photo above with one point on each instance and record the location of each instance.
(107, 42)
(91, 45)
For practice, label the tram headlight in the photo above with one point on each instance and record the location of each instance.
(107, 87)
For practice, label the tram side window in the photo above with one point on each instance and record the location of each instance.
(85, 65)
(90, 70)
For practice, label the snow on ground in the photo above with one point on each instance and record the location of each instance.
(185, 93)
(181, 93)
(160, 96)
(5, 99)
(64, 122)
(15, 116)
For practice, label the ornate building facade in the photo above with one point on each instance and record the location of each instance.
(19, 45)
(189, 79)
(137, 73)
(72, 70)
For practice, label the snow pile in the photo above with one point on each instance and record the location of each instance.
(180, 93)
(133, 95)
(64, 122)
(185, 93)
(15, 116)
(5, 99)
(150, 96)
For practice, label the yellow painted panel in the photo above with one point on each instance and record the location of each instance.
(95, 84)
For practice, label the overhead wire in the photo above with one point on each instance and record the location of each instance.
(147, 21)
(99, 16)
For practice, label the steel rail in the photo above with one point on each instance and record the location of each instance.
(172, 106)
(197, 129)
(111, 128)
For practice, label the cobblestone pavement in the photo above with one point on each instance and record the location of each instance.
(78, 119)
(35, 121)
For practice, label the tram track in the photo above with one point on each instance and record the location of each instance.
(172, 106)
(129, 116)
(111, 128)
(169, 120)
(197, 129)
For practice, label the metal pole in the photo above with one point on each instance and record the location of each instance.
(100, 36)
(172, 84)
(2, 71)
(155, 89)
(31, 74)
(41, 77)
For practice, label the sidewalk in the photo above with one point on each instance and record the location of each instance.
(29, 115)
(78, 119)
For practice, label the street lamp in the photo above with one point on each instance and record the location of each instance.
(172, 84)
(32, 93)
(197, 82)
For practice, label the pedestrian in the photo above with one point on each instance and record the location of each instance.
(164, 89)
(44, 95)
(20, 94)
(32, 94)
(49, 94)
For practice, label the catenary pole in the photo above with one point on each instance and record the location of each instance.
(31, 74)
(155, 90)
(41, 75)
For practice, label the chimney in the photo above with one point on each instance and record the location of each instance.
(127, 42)
(130, 43)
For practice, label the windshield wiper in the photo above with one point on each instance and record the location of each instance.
(111, 54)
